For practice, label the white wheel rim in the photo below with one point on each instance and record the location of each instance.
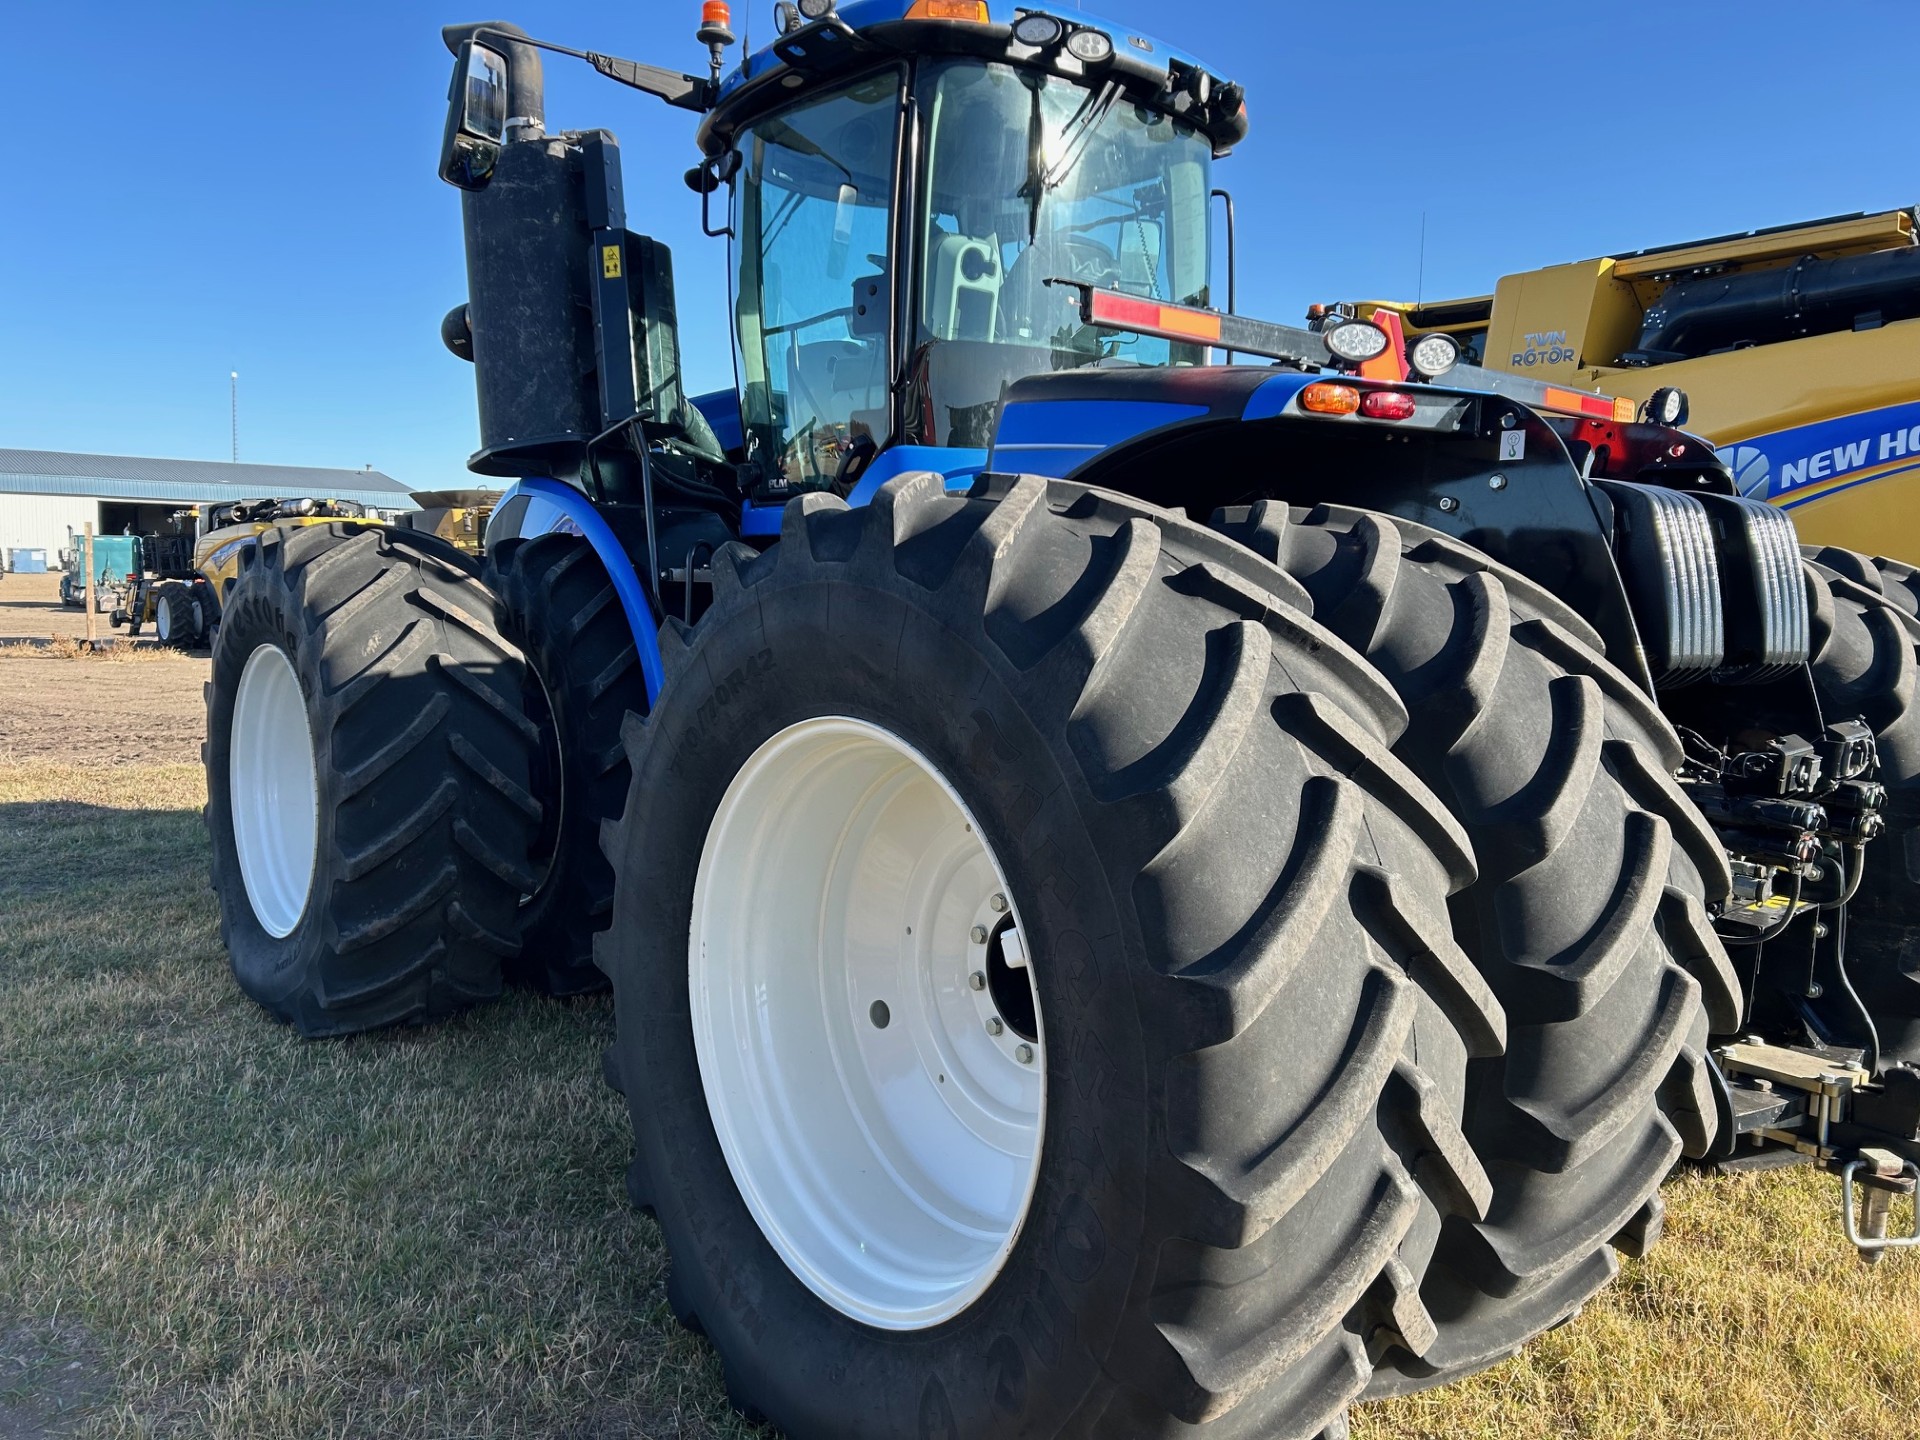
(163, 617)
(889, 1159)
(274, 791)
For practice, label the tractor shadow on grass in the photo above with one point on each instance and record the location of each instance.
(52, 1378)
(407, 1233)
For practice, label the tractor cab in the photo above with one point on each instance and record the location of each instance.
(900, 233)
(914, 191)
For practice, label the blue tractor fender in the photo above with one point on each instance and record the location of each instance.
(1056, 429)
(541, 506)
(961, 467)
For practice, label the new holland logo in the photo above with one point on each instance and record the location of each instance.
(1751, 469)
(1813, 459)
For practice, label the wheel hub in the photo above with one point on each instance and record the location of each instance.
(274, 791)
(869, 1042)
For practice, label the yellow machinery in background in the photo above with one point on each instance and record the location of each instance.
(458, 517)
(187, 575)
(1795, 349)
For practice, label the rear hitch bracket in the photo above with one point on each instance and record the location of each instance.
(1887, 1175)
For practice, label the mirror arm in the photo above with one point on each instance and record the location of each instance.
(686, 92)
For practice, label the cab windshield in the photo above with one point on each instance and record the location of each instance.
(1030, 178)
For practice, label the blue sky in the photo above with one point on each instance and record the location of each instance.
(198, 188)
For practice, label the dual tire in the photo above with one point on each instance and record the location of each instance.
(1587, 918)
(556, 603)
(368, 775)
(1296, 1145)
(1247, 797)
(398, 824)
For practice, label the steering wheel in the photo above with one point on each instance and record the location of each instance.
(1091, 261)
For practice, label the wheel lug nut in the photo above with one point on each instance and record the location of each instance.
(997, 904)
(994, 1027)
(978, 980)
(979, 934)
(1024, 1054)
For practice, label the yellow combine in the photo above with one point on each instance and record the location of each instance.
(1796, 348)
(187, 579)
(458, 517)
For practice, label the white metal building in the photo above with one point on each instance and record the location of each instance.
(45, 494)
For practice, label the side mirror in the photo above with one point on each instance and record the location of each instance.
(476, 117)
(714, 171)
(706, 178)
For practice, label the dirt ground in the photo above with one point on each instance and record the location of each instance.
(133, 705)
(30, 609)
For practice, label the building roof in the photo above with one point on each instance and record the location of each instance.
(127, 477)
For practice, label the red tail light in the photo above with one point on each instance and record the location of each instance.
(1386, 405)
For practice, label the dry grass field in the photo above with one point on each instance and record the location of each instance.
(211, 1228)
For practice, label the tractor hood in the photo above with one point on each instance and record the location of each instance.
(1054, 424)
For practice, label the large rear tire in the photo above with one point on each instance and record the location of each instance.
(1866, 663)
(1251, 1021)
(367, 780)
(1587, 918)
(558, 605)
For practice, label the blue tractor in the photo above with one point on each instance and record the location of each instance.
(1145, 896)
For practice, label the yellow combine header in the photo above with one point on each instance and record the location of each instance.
(1798, 349)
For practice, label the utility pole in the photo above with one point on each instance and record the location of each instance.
(92, 633)
(233, 410)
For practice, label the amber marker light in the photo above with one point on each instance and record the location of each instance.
(1324, 398)
(971, 10)
(1578, 402)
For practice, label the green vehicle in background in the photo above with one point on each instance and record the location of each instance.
(117, 561)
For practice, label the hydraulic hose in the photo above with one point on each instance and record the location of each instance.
(1846, 984)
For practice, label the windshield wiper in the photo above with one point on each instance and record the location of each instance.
(1040, 183)
(1078, 132)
